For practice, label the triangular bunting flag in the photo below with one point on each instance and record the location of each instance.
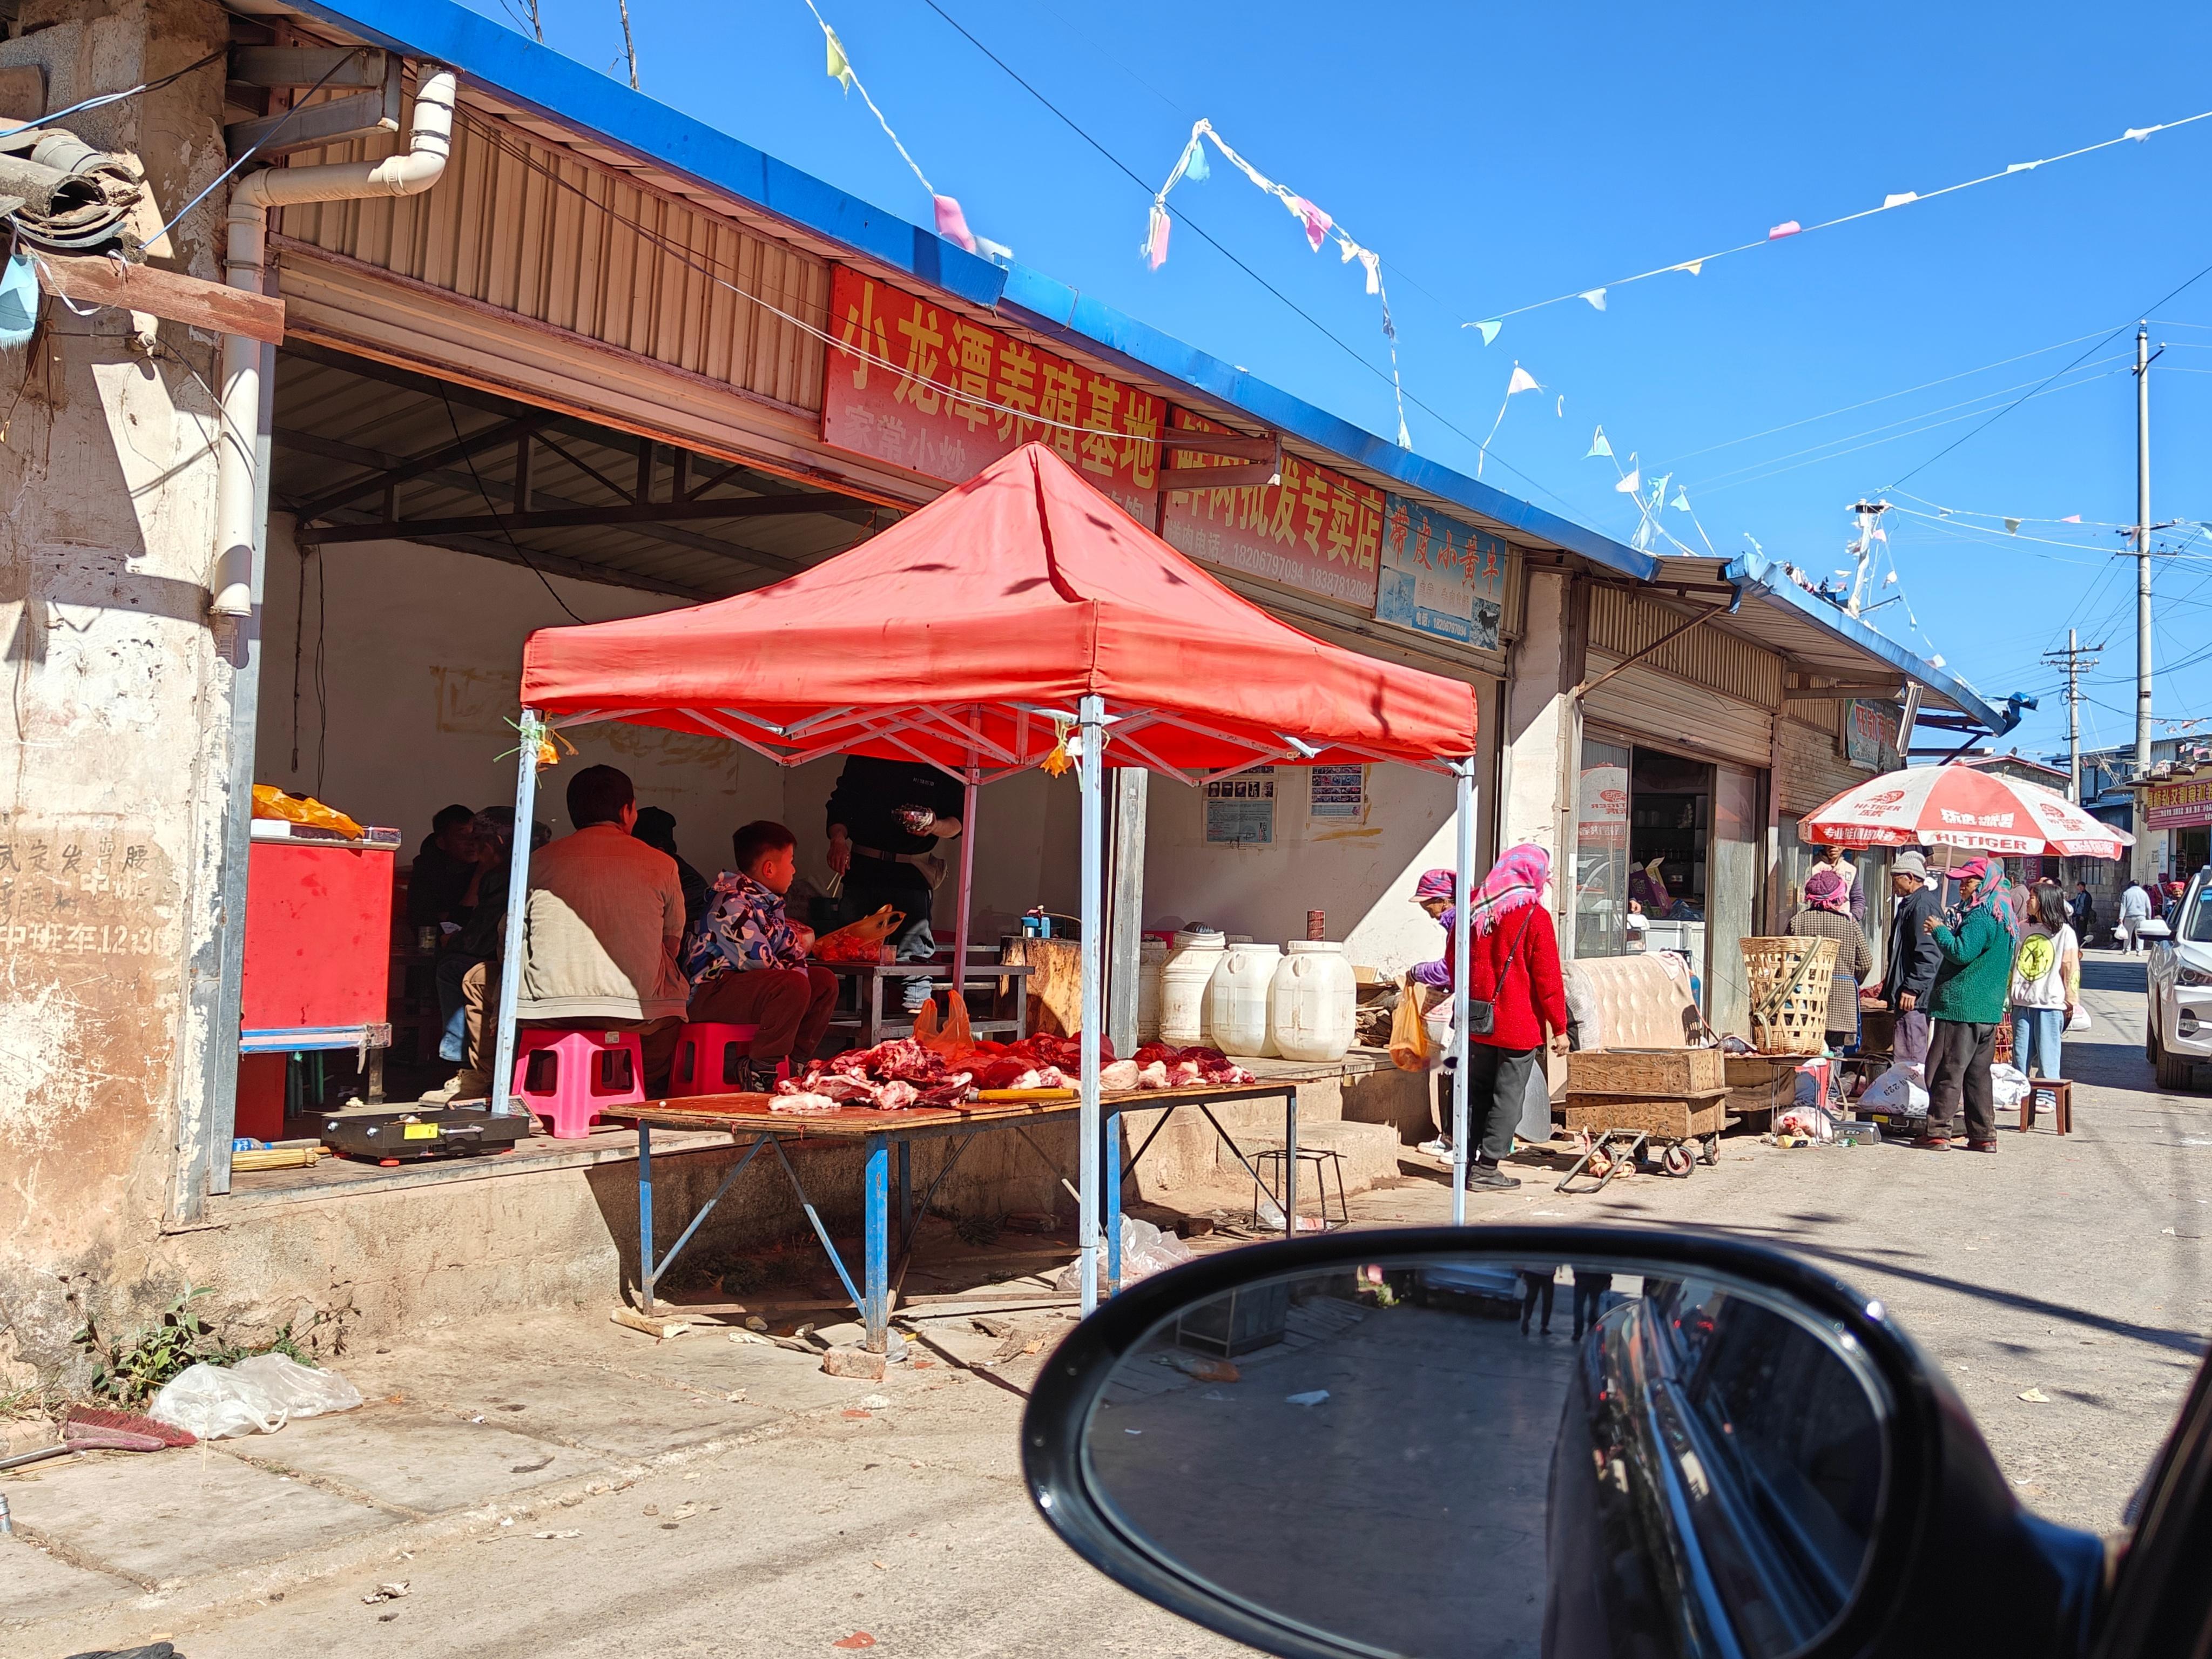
(1787, 227)
(952, 224)
(1693, 266)
(2011, 527)
(1596, 297)
(1194, 162)
(1155, 249)
(840, 71)
(2138, 133)
(1522, 380)
(1317, 222)
(2023, 167)
(2071, 517)
(1630, 484)
(1489, 330)
(1900, 199)
(1681, 502)
(1879, 534)
(1600, 445)
(1373, 264)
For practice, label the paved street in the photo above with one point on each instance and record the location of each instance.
(706, 1495)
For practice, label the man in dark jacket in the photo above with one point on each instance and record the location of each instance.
(1912, 957)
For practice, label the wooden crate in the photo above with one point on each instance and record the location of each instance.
(1646, 1071)
(1757, 1071)
(1672, 1117)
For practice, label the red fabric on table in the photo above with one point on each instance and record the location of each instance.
(1024, 585)
(1532, 997)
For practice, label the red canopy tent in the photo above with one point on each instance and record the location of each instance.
(974, 635)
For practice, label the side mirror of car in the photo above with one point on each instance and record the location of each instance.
(1563, 1442)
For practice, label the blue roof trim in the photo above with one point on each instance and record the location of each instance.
(563, 91)
(1053, 308)
(1769, 578)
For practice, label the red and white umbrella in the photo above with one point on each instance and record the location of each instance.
(1960, 806)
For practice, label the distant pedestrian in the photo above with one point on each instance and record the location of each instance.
(1826, 915)
(1968, 1002)
(2046, 984)
(1912, 957)
(2084, 915)
(2134, 911)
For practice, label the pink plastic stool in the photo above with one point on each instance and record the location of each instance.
(568, 1077)
(703, 1055)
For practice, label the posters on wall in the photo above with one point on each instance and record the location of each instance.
(1316, 530)
(1440, 576)
(1338, 794)
(920, 385)
(1601, 807)
(1242, 809)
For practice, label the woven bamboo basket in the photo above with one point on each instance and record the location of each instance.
(1790, 979)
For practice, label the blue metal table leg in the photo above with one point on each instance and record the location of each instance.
(1110, 1163)
(875, 1244)
(645, 1273)
(906, 1194)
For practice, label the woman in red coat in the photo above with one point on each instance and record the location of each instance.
(1513, 964)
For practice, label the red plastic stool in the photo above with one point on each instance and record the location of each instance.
(704, 1055)
(568, 1077)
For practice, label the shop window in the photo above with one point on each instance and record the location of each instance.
(1601, 907)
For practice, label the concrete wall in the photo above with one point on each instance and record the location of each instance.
(112, 780)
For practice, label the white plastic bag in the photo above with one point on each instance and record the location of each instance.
(2080, 1020)
(255, 1396)
(1897, 1089)
(1145, 1250)
(2007, 1086)
(1812, 1122)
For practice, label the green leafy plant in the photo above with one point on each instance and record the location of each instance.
(131, 1371)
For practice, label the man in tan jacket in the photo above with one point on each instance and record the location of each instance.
(603, 928)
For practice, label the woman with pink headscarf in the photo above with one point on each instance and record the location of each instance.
(1826, 913)
(1513, 964)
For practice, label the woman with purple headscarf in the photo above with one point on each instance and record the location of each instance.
(1826, 913)
(1513, 964)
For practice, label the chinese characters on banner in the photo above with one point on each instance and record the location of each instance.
(1871, 734)
(1440, 576)
(2177, 806)
(1316, 530)
(1242, 808)
(885, 394)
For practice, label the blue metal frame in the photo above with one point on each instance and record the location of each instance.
(284, 1039)
(1771, 581)
(1113, 1141)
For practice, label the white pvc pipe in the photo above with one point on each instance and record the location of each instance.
(230, 579)
(1463, 891)
(1091, 773)
(518, 901)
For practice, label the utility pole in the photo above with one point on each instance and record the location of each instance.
(2143, 549)
(2078, 662)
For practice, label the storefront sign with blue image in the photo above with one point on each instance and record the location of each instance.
(1440, 576)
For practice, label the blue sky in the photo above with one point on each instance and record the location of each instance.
(1495, 156)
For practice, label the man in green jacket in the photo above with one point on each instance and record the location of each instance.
(1966, 1005)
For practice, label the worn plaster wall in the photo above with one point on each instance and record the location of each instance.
(112, 773)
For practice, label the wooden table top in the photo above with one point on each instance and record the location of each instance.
(751, 1113)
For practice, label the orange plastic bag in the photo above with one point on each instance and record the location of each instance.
(1409, 1032)
(271, 802)
(859, 941)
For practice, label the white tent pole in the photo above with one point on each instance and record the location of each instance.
(1092, 717)
(967, 887)
(518, 893)
(1463, 776)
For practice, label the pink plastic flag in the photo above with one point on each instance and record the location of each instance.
(1787, 227)
(951, 223)
(1156, 238)
(1317, 222)
(2071, 517)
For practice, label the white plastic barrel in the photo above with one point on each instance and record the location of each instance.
(1236, 1000)
(1184, 974)
(1312, 1002)
(1151, 958)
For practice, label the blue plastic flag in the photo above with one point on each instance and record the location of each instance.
(19, 302)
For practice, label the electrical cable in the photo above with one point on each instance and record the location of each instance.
(107, 98)
(2016, 402)
(254, 149)
(498, 517)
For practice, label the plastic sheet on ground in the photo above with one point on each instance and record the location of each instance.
(255, 1396)
(1145, 1250)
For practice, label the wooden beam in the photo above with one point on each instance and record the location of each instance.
(169, 295)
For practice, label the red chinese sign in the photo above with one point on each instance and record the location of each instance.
(2177, 806)
(920, 385)
(1317, 530)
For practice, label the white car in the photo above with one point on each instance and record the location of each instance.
(2178, 1026)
